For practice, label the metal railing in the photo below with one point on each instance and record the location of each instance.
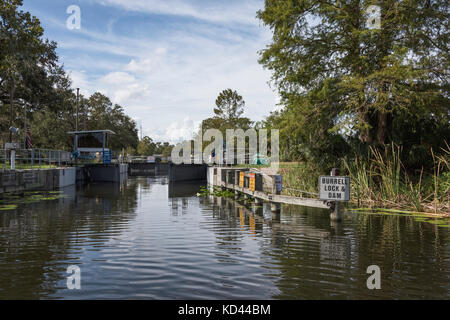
(35, 158)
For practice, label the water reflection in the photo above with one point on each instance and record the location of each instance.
(149, 239)
(36, 238)
(317, 258)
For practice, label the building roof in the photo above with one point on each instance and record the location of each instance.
(91, 131)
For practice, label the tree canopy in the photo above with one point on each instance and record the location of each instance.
(346, 87)
(228, 113)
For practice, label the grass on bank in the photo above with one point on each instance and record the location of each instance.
(381, 181)
(29, 167)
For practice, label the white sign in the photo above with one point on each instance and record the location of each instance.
(12, 145)
(334, 188)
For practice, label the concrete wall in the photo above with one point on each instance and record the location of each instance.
(104, 172)
(67, 177)
(37, 179)
(137, 169)
(187, 172)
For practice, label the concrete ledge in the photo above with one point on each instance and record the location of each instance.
(36, 179)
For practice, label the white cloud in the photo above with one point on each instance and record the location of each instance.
(230, 11)
(118, 78)
(80, 80)
(147, 64)
(123, 87)
(163, 79)
(176, 132)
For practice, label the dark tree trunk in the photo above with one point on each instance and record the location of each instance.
(381, 129)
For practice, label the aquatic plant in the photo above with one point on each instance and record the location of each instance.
(10, 201)
(216, 191)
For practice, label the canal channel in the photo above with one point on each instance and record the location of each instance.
(147, 239)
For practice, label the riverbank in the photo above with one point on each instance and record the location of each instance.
(380, 181)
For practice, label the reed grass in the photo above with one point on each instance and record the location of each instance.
(380, 180)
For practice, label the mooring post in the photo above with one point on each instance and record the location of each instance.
(257, 209)
(336, 208)
(275, 207)
(277, 187)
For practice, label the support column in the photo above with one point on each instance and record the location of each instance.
(276, 215)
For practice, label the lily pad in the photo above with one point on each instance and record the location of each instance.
(8, 207)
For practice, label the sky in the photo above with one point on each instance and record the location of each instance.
(164, 61)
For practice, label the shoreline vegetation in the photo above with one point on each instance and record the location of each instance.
(380, 181)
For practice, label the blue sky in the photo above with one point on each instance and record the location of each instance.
(164, 61)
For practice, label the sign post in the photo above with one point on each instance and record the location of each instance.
(336, 189)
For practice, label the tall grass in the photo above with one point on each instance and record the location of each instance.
(299, 178)
(382, 180)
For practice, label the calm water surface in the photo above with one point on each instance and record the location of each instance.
(146, 239)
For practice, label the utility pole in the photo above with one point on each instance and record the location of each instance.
(78, 102)
(11, 107)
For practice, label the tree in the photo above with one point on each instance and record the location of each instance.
(25, 57)
(101, 113)
(228, 113)
(229, 105)
(30, 78)
(146, 147)
(345, 85)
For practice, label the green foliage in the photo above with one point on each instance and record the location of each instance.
(216, 192)
(346, 88)
(229, 105)
(10, 201)
(299, 176)
(31, 78)
(380, 179)
(148, 147)
(228, 113)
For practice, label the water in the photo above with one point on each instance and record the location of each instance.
(147, 239)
